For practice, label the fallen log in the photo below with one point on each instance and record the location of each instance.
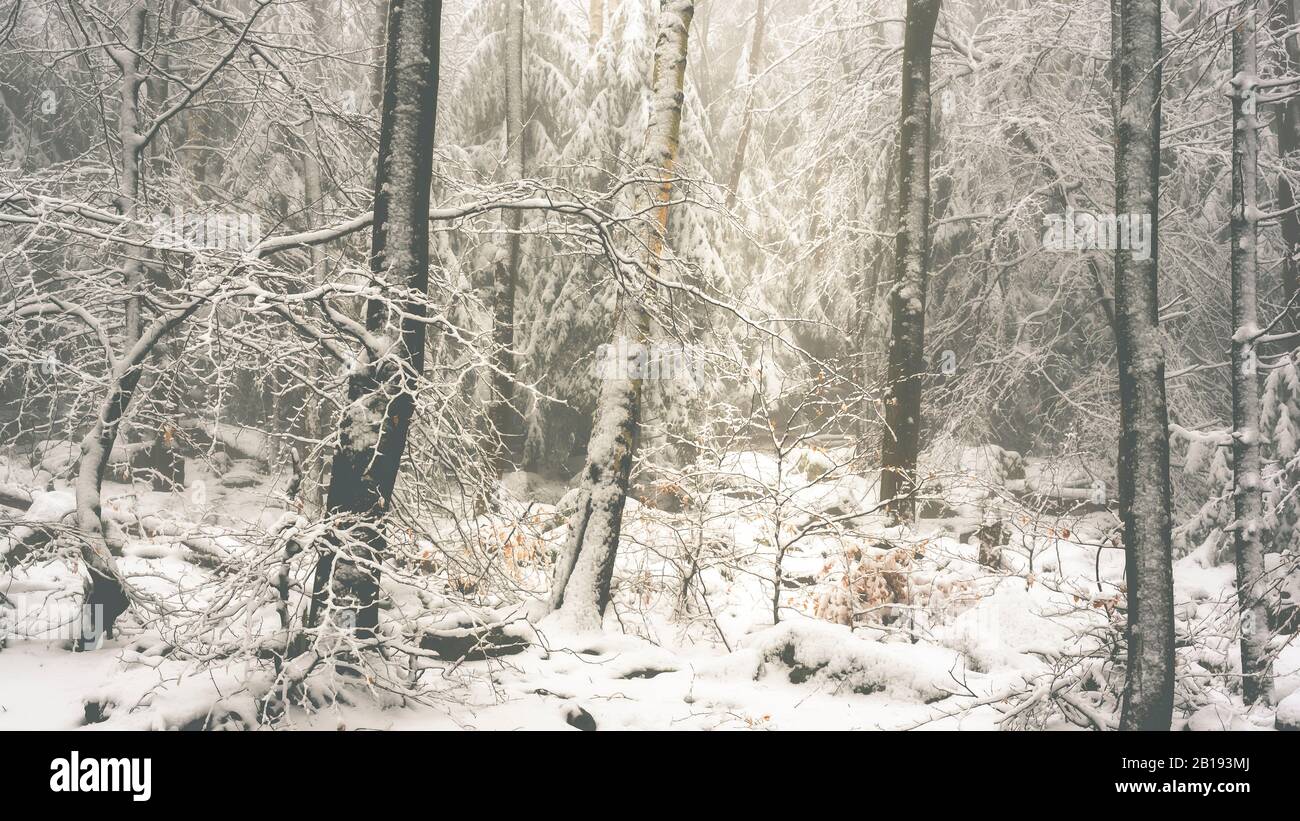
(468, 641)
(36, 526)
(15, 496)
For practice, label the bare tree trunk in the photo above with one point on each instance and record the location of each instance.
(128, 128)
(1286, 126)
(912, 250)
(1144, 418)
(381, 46)
(747, 120)
(1247, 493)
(106, 598)
(165, 466)
(580, 589)
(872, 332)
(374, 427)
(314, 465)
(503, 412)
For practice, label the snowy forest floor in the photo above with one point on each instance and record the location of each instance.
(1029, 637)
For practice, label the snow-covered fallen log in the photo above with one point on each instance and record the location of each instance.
(35, 526)
(245, 441)
(15, 496)
(212, 545)
(465, 637)
(805, 651)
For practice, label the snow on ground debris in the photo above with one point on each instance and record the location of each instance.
(880, 627)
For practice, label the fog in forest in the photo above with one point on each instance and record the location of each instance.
(649, 364)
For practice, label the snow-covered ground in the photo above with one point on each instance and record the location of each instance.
(880, 628)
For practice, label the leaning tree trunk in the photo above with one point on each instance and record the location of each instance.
(503, 411)
(1144, 419)
(1247, 493)
(911, 261)
(381, 391)
(580, 589)
(106, 596)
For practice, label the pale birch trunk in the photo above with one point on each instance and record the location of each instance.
(580, 588)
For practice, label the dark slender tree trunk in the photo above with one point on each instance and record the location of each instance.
(1286, 126)
(1247, 492)
(1144, 420)
(906, 368)
(580, 588)
(373, 428)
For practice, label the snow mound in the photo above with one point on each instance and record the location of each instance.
(220, 699)
(1006, 627)
(51, 506)
(617, 656)
(1286, 671)
(57, 457)
(829, 654)
(46, 508)
(525, 486)
(1217, 717)
(1288, 713)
